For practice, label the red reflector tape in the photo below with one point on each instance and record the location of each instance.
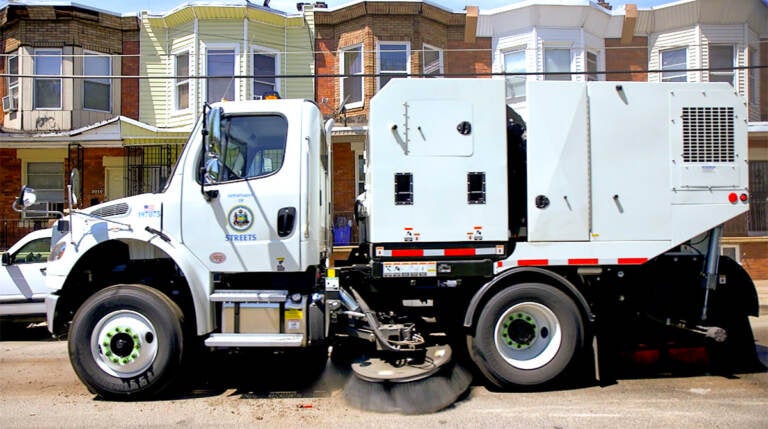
(531, 262)
(460, 252)
(632, 261)
(583, 261)
(407, 253)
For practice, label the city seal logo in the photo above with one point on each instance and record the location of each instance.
(240, 218)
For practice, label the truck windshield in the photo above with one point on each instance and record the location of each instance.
(250, 146)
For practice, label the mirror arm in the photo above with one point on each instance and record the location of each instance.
(208, 195)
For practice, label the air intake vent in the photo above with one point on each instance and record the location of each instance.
(113, 210)
(708, 134)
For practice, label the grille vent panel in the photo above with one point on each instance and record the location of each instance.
(708, 134)
(113, 210)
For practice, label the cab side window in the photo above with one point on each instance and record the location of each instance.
(34, 251)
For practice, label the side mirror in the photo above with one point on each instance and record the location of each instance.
(74, 187)
(26, 198)
(6, 258)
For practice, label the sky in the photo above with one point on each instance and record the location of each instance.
(123, 6)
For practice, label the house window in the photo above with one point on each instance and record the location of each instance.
(721, 64)
(181, 62)
(514, 62)
(97, 90)
(221, 74)
(592, 66)
(557, 60)
(351, 83)
(432, 61)
(12, 80)
(673, 64)
(47, 179)
(360, 174)
(264, 72)
(393, 61)
(754, 76)
(47, 91)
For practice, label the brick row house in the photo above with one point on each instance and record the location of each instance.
(386, 40)
(340, 57)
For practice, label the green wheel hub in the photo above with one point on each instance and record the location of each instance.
(122, 345)
(519, 330)
(527, 335)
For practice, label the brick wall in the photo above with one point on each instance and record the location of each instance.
(754, 258)
(630, 57)
(92, 174)
(10, 171)
(344, 191)
(129, 89)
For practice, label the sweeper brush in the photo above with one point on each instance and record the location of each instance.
(407, 386)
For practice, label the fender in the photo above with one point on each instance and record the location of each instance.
(140, 241)
(498, 283)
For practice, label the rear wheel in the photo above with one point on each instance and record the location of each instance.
(527, 334)
(126, 342)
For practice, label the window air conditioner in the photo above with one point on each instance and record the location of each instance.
(9, 103)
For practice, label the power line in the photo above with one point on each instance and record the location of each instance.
(390, 74)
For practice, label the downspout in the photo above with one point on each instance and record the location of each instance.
(196, 53)
(245, 56)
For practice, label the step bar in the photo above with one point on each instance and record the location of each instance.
(258, 296)
(255, 340)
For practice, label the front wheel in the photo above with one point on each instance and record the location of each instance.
(126, 342)
(526, 335)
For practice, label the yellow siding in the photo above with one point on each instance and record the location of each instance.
(219, 28)
(152, 92)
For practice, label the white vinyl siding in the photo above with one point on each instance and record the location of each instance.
(680, 39)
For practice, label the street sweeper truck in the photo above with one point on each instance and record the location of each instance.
(515, 245)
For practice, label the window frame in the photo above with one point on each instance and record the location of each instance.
(395, 73)
(675, 66)
(440, 69)
(342, 69)
(591, 75)
(731, 73)
(86, 55)
(522, 79)
(13, 86)
(235, 57)
(260, 50)
(35, 62)
(558, 77)
(178, 82)
(754, 76)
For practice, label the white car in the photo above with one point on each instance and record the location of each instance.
(22, 278)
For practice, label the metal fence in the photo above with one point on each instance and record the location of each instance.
(12, 230)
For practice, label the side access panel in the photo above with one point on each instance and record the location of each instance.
(558, 207)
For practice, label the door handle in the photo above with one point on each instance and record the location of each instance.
(286, 219)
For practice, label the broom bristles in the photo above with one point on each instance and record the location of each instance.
(423, 396)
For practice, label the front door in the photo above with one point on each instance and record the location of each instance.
(250, 223)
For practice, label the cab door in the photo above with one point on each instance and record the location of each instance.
(248, 221)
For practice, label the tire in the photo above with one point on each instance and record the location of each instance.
(126, 342)
(527, 335)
